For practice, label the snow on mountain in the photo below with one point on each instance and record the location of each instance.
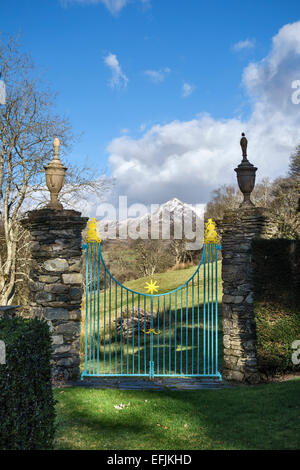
(173, 219)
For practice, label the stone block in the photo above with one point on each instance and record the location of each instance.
(70, 329)
(43, 297)
(66, 362)
(61, 349)
(73, 278)
(62, 298)
(75, 293)
(56, 264)
(56, 313)
(238, 299)
(56, 288)
(58, 339)
(48, 279)
(76, 266)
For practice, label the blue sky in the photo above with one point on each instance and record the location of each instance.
(174, 61)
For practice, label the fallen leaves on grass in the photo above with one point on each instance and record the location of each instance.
(161, 426)
(122, 406)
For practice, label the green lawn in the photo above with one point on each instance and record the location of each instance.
(260, 417)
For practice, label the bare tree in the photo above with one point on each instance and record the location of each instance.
(179, 251)
(27, 127)
(294, 171)
(230, 197)
(150, 256)
(294, 167)
(284, 208)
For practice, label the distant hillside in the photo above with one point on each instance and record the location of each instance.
(166, 222)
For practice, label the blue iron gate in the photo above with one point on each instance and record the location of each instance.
(129, 333)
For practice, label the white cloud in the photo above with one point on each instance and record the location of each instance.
(188, 159)
(187, 89)
(270, 80)
(157, 76)
(114, 6)
(247, 44)
(118, 78)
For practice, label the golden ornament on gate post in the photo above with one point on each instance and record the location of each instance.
(55, 177)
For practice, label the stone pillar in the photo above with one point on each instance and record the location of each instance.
(239, 228)
(56, 282)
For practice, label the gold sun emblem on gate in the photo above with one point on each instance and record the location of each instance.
(151, 287)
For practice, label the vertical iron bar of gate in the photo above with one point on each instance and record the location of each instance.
(204, 311)
(170, 332)
(151, 341)
(133, 333)
(193, 326)
(158, 335)
(208, 309)
(127, 335)
(164, 348)
(116, 332)
(90, 313)
(86, 302)
(212, 308)
(145, 340)
(216, 332)
(94, 305)
(121, 331)
(104, 329)
(181, 331)
(198, 329)
(186, 327)
(139, 345)
(109, 306)
(98, 310)
(175, 334)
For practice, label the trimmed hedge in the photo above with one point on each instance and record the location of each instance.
(277, 303)
(26, 401)
(276, 270)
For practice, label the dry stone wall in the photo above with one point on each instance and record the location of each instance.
(239, 228)
(56, 282)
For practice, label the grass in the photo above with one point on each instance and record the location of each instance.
(260, 417)
(278, 326)
(179, 346)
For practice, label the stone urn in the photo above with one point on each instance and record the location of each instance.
(246, 173)
(55, 177)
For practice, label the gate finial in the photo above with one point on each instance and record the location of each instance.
(92, 234)
(210, 234)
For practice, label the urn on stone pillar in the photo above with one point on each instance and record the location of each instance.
(55, 176)
(245, 175)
